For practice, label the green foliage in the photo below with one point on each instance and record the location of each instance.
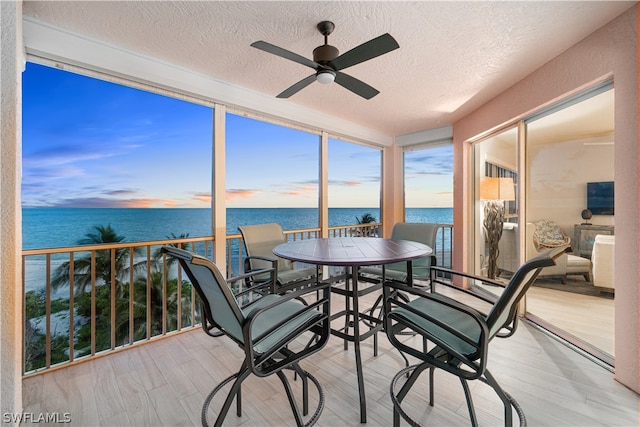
(35, 304)
(366, 219)
(35, 341)
(146, 305)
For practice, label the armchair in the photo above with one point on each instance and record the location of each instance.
(459, 333)
(566, 264)
(275, 331)
(259, 241)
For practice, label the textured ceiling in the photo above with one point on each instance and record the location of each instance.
(453, 56)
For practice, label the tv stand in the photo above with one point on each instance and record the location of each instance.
(584, 235)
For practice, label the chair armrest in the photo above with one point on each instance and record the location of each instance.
(252, 273)
(422, 292)
(253, 285)
(300, 320)
(394, 307)
(274, 261)
(484, 297)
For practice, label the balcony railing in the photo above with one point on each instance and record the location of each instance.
(86, 301)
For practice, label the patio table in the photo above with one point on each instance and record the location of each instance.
(352, 253)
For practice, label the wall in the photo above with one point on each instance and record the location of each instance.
(10, 214)
(558, 175)
(610, 51)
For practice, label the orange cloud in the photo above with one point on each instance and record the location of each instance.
(143, 203)
(203, 197)
(309, 189)
(240, 194)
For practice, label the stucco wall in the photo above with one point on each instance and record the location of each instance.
(10, 241)
(610, 51)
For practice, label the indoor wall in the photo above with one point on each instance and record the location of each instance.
(568, 166)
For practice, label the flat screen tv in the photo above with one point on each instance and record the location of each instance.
(600, 197)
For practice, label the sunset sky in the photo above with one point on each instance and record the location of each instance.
(91, 143)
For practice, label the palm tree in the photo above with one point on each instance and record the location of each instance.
(157, 253)
(154, 307)
(82, 265)
(366, 219)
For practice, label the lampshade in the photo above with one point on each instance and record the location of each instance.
(497, 189)
(326, 77)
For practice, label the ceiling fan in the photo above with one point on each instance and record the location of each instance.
(328, 63)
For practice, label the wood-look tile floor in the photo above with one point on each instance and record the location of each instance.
(166, 381)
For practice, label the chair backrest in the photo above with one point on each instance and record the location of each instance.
(505, 309)
(417, 232)
(220, 306)
(259, 240)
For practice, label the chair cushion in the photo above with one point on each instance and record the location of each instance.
(460, 321)
(289, 276)
(391, 274)
(548, 234)
(578, 264)
(273, 316)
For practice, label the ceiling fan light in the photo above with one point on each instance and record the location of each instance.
(326, 77)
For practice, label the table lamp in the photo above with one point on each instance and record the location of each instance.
(495, 191)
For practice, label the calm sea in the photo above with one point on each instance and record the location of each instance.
(62, 227)
(44, 228)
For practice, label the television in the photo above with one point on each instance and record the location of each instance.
(600, 197)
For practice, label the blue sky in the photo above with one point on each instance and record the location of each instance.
(90, 143)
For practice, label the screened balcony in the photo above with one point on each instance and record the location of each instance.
(165, 381)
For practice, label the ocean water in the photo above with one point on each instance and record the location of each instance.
(63, 227)
(45, 228)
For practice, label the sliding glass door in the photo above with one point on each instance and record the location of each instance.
(569, 185)
(560, 163)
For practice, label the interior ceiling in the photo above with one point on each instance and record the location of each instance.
(453, 56)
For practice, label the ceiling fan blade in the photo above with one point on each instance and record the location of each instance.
(297, 87)
(268, 47)
(366, 51)
(356, 86)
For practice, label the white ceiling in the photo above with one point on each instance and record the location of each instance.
(453, 56)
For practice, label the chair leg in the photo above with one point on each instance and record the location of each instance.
(507, 401)
(375, 344)
(305, 388)
(431, 385)
(413, 372)
(239, 401)
(233, 393)
(347, 305)
(292, 401)
(467, 394)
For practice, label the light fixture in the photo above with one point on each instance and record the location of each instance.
(325, 77)
(495, 191)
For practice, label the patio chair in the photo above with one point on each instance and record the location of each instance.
(459, 334)
(416, 232)
(420, 268)
(259, 241)
(275, 331)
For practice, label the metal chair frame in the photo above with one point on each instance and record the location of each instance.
(264, 325)
(459, 334)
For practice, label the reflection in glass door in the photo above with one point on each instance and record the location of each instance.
(495, 214)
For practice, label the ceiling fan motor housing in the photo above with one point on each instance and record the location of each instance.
(325, 54)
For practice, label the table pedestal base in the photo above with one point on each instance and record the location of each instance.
(352, 319)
